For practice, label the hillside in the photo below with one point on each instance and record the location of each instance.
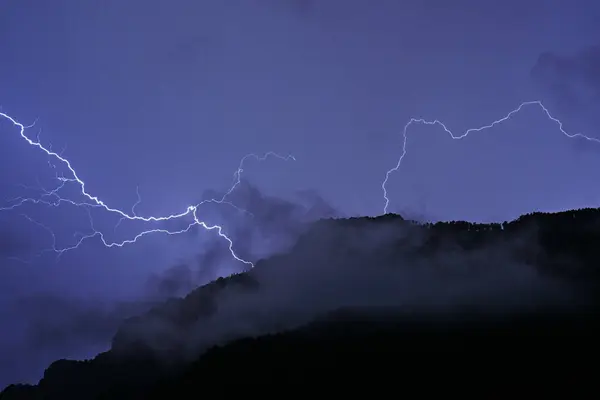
(367, 298)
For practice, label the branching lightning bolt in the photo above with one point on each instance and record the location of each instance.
(469, 131)
(53, 198)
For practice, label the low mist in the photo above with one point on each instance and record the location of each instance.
(351, 263)
(309, 261)
(48, 324)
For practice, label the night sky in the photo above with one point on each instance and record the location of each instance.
(168, 96)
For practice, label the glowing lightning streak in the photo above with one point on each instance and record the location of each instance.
(467, 132)
(96, 202)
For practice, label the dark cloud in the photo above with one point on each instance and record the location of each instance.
(259, 226)
(571, 81)
(174, 282)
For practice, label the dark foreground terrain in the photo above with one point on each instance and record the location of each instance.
(354, 352)
(378, 302)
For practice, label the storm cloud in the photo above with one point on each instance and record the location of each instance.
(571, 82)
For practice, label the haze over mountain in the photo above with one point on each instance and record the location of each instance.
(374, 281)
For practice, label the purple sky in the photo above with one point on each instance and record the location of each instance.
(169, 96)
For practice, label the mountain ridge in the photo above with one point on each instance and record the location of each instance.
(558, 250)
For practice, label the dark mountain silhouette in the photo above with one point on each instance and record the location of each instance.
(365, 300)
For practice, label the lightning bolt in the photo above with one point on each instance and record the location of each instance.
(469, 131)
(53, 198)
